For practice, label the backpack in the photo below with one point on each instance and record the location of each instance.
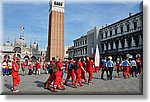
(54, 67)
(70, 66)
(75, 65)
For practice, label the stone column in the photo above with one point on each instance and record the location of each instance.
(104, 47)
(140, 41)
(132, 42)
(109, 47)
(126, 43)
(120, 45)
(114, 45)
(104, 34)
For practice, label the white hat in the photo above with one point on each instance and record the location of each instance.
(127, 55)
(110, 57)
(138, 55)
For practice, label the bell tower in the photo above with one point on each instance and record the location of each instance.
(56, 29)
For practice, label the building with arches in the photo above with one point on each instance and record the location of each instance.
(116, 40)
(122, 37)
(19, 46)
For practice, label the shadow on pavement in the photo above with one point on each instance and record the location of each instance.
(8, 86)
(39, 83)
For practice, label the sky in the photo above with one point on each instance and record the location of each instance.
(80, 17)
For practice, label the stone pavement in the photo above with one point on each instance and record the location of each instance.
(33, 84)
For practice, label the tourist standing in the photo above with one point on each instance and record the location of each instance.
(104, 68)
(110, 66)
(133, 67)
(10, 67)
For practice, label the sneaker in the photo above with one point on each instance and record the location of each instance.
(75, 86)
(63, 87)
(86, 81)
(81, 85)
(73, 83)
(15, 91)
(53, 90)
(90, 83)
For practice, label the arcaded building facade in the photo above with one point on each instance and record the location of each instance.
(122, 37)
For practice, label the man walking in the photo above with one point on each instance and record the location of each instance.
(110, 66)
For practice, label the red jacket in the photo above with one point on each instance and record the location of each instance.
(89, 65)
(15, 69)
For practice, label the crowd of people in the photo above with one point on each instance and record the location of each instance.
(75, 69)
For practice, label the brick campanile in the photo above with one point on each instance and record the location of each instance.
(56, 29)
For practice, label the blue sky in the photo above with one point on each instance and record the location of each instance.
(79, 18)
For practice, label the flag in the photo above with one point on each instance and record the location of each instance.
(97, 57)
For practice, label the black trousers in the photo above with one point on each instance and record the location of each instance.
(104, 69)
(110, 69)
(133, 69)
(30, 72)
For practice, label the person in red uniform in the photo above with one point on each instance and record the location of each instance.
(139, 64)
(70, 72)
(118, 69)
(38, 67)
(57, 76)
(23, 68)
(15, 76)
(82, 72)
(51, 72)
(89, 68)
(77, 68)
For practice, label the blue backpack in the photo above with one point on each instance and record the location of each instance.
(70, 66)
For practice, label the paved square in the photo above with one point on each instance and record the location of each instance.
(33, 84)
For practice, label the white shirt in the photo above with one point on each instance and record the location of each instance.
(10, 65)
(133, 63)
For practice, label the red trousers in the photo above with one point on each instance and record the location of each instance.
(57, 80)
(97, 69)
(90, 76)
(83, 75)
(49, 80)
(126, 71)
(70, 74)
(16, 81)
(78, 77)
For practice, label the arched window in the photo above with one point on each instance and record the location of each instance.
(57, 3)
(54, 2)
(61, 4)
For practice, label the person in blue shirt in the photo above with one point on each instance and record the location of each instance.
(104, 67)
(110, 66)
